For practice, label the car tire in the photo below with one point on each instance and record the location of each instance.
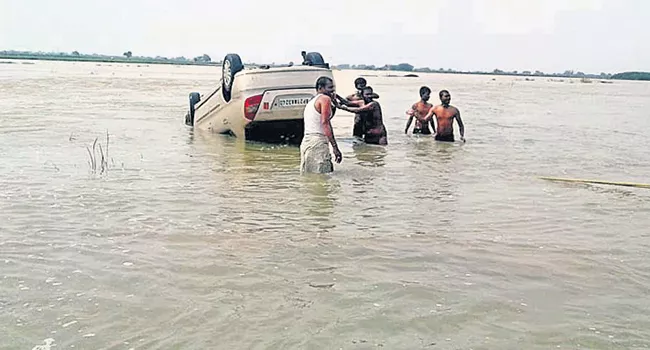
(231, 65)
(316, 59)
(195, 97)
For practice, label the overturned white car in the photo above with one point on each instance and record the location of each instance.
(259, 103)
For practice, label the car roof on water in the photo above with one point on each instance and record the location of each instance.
(258, 70)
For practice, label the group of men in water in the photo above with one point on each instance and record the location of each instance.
(315, 155)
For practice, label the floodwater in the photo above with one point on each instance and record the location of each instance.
(197, 241)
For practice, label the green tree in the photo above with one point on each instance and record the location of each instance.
(632, 76)
(202, 58)
(404, 67)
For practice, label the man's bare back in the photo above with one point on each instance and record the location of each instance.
(374, 124)
(374, 131)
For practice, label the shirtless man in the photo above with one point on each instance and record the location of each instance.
(359, 84)
(370, 113)
(356, 100)
(445, 115)
(419, 111)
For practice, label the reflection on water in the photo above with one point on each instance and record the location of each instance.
(320, 192)
(418, 244)
(369, 155)
(443, 152)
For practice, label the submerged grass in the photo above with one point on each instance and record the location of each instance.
(98, 162)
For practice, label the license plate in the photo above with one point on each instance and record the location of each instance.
(292, 102)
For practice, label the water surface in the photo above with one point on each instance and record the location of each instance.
(195, 241)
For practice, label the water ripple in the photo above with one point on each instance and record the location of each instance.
(195, 240)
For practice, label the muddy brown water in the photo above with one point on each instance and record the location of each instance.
(197, 241)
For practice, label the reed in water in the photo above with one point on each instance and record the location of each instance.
(103, 158)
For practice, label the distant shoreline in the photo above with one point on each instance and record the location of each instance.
(105, 59)
(181, 61)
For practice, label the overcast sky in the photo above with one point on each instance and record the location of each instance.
(549, 35)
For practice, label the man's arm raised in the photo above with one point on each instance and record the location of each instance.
(429, 119)
(411, 113)
(348, 102)
(368, 107)
(324, 106)
(355, 103)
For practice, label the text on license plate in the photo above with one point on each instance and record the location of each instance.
(291, 102)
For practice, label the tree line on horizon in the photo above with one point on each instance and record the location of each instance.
(205, 59)
(406, 67)
(127, 56)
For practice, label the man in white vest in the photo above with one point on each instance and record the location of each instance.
(315, 154)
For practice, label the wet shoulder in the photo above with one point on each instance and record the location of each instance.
(376, 107)
(425, 107)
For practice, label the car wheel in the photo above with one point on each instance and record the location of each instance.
(231, 65)
(195, 97)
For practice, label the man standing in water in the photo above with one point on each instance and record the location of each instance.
(359, 84)
(370, 113)
(419, 111)
(355, 100)
(315, 154)
(445, 115)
